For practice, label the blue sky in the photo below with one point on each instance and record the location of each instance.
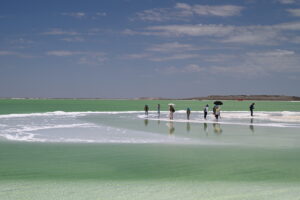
(149, 48)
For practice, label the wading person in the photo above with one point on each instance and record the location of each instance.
(172, 110)
(158, 110)
(214, 109)
(146, 109)
(218, 112)
(188, 113)
(251, 109)
(205, 111)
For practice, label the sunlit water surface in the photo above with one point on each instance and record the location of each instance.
(128, 155)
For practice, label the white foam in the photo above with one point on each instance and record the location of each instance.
(56, 113)
(28, 137)
(62, 113)
(36, 128)
(39, 126)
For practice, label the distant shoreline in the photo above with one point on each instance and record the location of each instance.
(250, 97)
(211, 97)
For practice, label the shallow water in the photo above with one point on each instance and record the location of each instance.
(127, 155)
(234, 128)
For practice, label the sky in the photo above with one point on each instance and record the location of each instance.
(149, 48)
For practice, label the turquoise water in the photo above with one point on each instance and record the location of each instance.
(127, 155)
(8, 106)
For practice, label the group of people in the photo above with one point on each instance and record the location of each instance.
(216, 111)
(171, 109)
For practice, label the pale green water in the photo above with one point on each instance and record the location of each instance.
(127, 156)
(120, 190)
(90, 171)
(8, 106)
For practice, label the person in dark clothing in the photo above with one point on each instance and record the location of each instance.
(172, 110)
(188, 113)
(158, 110)
(251, 109)
(146, 108)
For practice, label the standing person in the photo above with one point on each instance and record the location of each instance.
(205, 111)
(188, 113)
(172, 110)
(218, 112)
(158, 110)
(146, 108)
(214, 109)
(251, 109)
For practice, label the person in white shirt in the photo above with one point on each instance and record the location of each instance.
(205, 111)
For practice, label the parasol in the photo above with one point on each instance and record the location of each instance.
(218, 103)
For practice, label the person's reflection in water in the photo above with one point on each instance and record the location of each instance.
(217, 128)
(188, 126)
(205, 128)
(146, 122)
(251, 125)
(171, 128)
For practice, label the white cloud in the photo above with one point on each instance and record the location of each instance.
(183, 6)
(73, 39)
(22, 41)
(294, 12)
(220, 58)
(103, 14)
(191, 30)
(296, 40)
(78, 15)
(173, 57)
(157, 14)
(161, 57)
(287, 1)
(221, 11)
(166, 52)
(60, 32)
(171, 47)
(182, 11)
(251, 35)
(7, 53)
(62, 53)
(14, 53)
(251, 64)
(136, 56)
(168, 70)
(274, 53)
(83, 15)
(262, 63)
(193, 68)
(291, 26)
(84, 57)
(93, 58)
